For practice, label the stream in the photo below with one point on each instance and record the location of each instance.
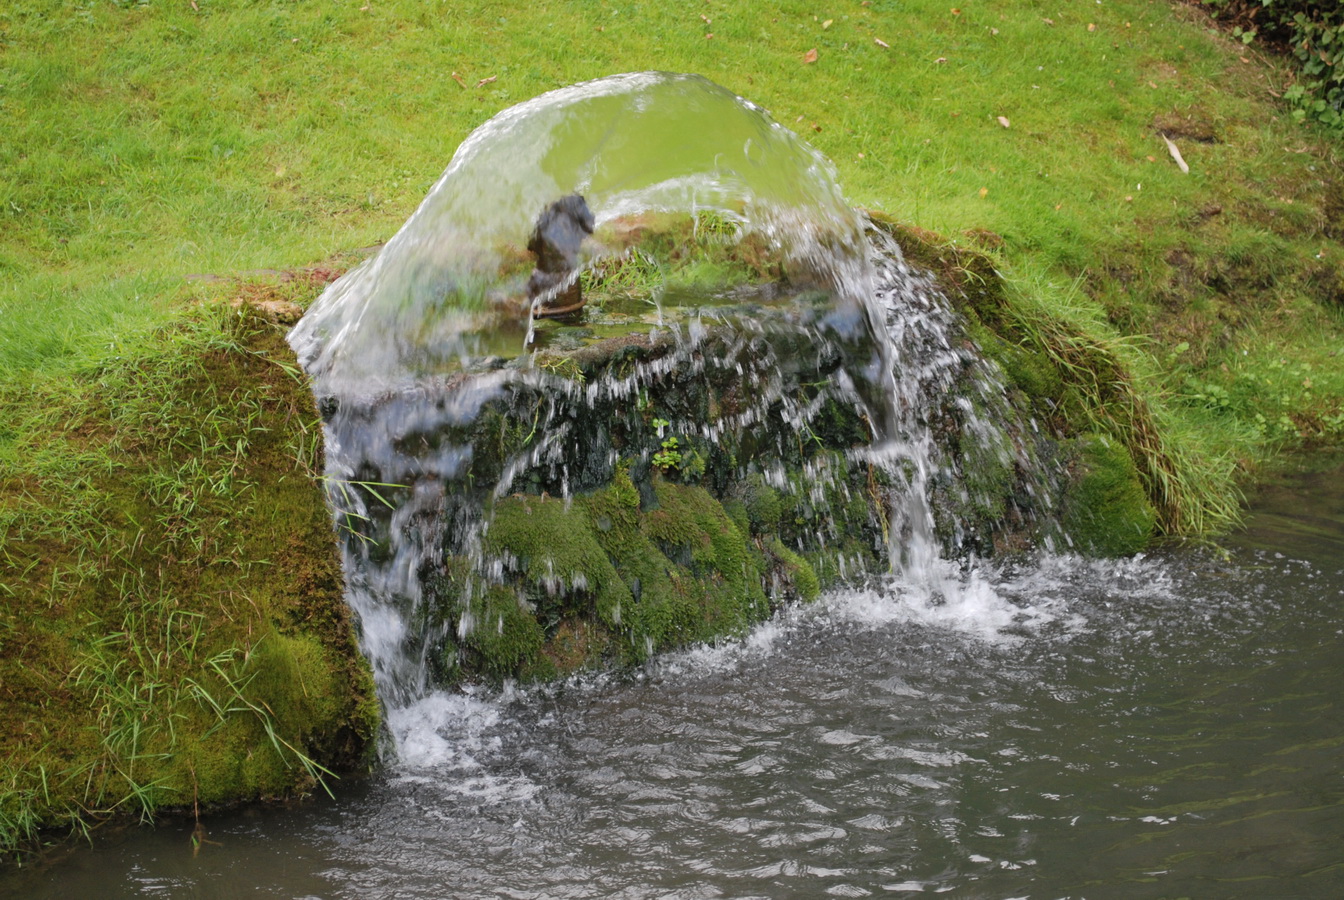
(1168, 726)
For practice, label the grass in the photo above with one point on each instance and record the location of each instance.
(1197, 317)
(151, 141)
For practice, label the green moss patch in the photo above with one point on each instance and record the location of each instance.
(1107, 510)
(602, 579)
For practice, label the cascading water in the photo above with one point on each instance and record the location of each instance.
(811, 368)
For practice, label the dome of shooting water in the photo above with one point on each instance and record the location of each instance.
(628, 144)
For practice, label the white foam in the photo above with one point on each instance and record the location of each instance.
(443, 730)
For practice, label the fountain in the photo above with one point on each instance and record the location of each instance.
(631, 377)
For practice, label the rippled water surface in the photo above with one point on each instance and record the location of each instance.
(1167, 727)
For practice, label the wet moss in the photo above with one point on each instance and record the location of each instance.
(1027, 369)
(661, 615)
(1106, 510)
(761, 503)
(601, 578)
(551, 544)
(798, 576)
(504, 634)
(692, 529)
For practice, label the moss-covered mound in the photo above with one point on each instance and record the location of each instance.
(631, 488)
(1080, 378)
(172, 623)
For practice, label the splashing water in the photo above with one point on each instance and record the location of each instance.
(412, 350)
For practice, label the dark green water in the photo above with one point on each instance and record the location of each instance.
(1166, 727)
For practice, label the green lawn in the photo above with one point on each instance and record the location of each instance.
(149, 141)
(1198, 318)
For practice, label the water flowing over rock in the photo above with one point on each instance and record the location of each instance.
(762, 399)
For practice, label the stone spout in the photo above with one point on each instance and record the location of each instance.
(555, 240)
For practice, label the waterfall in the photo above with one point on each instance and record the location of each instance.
(756, 354)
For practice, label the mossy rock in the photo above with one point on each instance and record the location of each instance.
(799, 578)
(553, 545)
(505, 635)
(209, 657)
(1106, 510)
(605, 577)
(761, 503)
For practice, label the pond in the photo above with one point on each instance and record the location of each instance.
(1165, 726)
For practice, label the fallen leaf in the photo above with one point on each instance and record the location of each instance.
(810, 56)
(458, 78)
(1058, 207)
(955, 11)
(1003, 120)
(1129, 199)
(1091, 26)
(1176, 155)
(485, 81)
(194, 6)
(993, 31)
(709, 35)
(1048, 21)
(704, 18)
(860, 156)
(1152, 159)
(941, 59)
(826, 24)
(984, 192)
(881, 43)
(816, 127)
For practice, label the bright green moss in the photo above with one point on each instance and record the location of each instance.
(762, 504)
(552, 543)
(798, 572)
(661, 615)
(692, 529)
(506, 636)
(1107, 512)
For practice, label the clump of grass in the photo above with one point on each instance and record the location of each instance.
(1192, 486)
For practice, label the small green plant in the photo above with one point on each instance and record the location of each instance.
(562, 367)
(1313, 33)
(670, 456)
